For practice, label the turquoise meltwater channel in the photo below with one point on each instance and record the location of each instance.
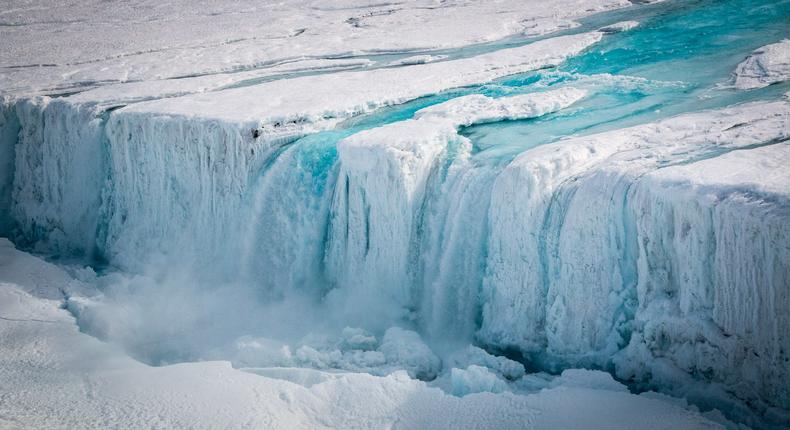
(679, 59)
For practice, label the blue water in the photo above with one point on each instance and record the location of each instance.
(679, 59)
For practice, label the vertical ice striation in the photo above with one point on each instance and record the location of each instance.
(585, 259)
(9, 132)
(59, 171)
(177, 189)
(452, 251)
(381, 206)
(378, 204)
(714, 271)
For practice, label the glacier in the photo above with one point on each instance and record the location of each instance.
(556, 206)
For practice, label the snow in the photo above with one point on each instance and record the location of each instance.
(62, 46)
(118, 94)
(417, 59)
(588, 379)
(57, 377)
(477, 109)
(336, 96)
(767, 65)
(474, 356)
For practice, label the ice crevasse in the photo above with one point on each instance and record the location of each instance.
(628, 250)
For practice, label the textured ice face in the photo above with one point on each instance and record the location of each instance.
(384, 184)
(652, 271)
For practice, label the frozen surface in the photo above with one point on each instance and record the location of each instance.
(476, 109)
(63, 46)
(768, 65)
(619, 26)
(475, 379)
(337, 96)
(474, 356)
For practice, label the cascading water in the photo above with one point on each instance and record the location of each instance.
(495, 232)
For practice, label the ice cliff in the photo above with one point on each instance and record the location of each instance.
(627, 250)
(656, 252)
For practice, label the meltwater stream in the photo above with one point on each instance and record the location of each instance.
(679, 59)
(319, 244)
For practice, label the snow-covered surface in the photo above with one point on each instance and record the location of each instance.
(765, 66)
(48, 45)
(56, 377)
(337, 96)
(477, 108)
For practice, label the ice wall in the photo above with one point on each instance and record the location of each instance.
(587, 257)
(383, 196)
(176, 188)
(714, 271)
(566, 257)
(58, 173)
(9, 131)
(184, 179)
(611, 251)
